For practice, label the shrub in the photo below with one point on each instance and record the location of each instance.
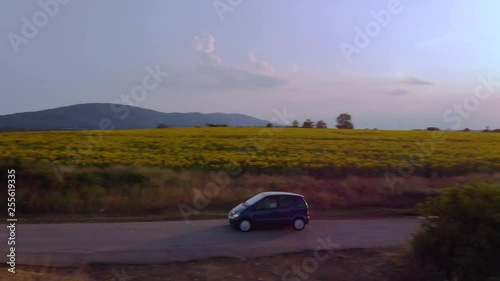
(433, 129)
(460, 239)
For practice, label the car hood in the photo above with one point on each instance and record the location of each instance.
(238, 208)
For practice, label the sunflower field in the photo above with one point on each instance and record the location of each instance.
(262, 149)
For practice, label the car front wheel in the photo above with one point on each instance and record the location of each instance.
(299, 224)
(245, 225)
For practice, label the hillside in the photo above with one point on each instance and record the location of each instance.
(89, 116)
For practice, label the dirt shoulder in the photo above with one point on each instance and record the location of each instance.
(348, 265)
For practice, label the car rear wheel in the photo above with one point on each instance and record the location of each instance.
(299, 224)
(245, 225)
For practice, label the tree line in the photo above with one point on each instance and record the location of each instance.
(343, 122)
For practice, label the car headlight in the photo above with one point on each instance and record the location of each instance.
(234, 216)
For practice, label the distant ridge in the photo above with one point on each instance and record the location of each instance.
(91, 116)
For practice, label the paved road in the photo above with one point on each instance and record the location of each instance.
(76, 244)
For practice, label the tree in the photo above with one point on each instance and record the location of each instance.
(308, 124)
(161, 125)
(344, 121)
(321, 125)
(216, 125)
(269, 125)
(295, 124)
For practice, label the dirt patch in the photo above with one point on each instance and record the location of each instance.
(346, 265)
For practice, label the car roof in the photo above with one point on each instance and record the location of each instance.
(270, 193)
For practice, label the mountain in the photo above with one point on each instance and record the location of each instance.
(91, 116)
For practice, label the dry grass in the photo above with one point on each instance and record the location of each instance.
(121, 190)
(45, 274)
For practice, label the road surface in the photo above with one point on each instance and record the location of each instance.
(75, 244)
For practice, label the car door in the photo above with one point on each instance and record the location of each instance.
(285, 211)
(265, 211)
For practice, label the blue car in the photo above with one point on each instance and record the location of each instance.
(270, 209)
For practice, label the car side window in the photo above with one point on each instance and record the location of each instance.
(303, 203)
(270, 202)
(286, 201)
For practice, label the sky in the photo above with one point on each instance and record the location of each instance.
(389, 64)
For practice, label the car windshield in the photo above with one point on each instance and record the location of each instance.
(253, 200)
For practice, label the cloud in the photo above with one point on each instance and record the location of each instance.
(260, 66)
(230, 77)
(436, 42)
(212, 73)
(411, 80)
(204, 46)
(295, 68)
(398, 92)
